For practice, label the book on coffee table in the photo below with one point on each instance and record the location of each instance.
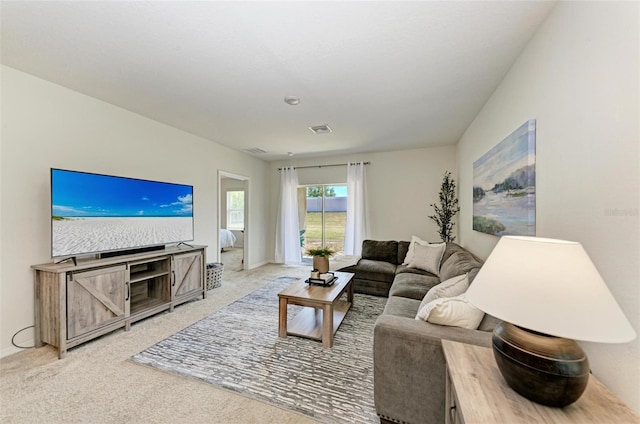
(322, 280)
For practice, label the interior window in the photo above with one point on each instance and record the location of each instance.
(235, 210)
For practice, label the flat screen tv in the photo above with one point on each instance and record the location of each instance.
(93, 213)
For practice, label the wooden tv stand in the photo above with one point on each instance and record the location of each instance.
(75, 303)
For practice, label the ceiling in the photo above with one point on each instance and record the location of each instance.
(383, 75)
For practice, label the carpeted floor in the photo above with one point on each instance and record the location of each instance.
(233, 258)
(237, 348)
(98, 383)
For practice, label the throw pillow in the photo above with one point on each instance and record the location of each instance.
(428, 257)
(452, 311)
(450, 288)
(414, 240)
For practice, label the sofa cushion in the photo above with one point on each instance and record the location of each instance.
(401, 269)
(371, 287)
(375, 250)
(452, 311)
(460, 262)
(451, 249)
(401, 307)
(367, 269)
(413, 286)
(427, 257)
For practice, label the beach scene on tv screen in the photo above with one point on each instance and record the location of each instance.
(97, 213)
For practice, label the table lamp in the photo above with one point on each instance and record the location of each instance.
(547, 292)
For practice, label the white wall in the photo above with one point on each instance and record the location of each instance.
(579, 77)
(400, 187)
(45, 125)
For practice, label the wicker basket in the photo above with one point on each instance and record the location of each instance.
(214, 275)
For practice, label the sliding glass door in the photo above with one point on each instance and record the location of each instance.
(323, 215)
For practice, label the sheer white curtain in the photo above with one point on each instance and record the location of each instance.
(356, 230)
(287, 226)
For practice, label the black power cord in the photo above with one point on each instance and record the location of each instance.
(14, 337)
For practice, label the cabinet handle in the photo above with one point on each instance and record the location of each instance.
(173, 278)
(128, 290)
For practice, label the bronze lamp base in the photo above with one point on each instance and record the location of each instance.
(549, 370)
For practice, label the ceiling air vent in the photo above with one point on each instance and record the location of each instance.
(321, 129)
(256, 151)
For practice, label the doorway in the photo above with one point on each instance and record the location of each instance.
(233, 214)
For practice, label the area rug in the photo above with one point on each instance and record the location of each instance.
(238, 348)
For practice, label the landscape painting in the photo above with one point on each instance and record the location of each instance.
(504, 185)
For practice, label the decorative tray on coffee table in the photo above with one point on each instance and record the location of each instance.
(324, 280)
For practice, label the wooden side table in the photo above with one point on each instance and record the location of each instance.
(476, 393)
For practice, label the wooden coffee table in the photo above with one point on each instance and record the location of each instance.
(318, 302)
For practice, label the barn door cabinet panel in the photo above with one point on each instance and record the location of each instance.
(75, 303)
(187, 275)
(96, 298)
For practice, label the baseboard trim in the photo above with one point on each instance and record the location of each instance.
(7, 351)
(257, 265)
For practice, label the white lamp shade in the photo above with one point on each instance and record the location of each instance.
(550, 286)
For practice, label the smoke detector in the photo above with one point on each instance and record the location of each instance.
(292, 100)
(320, 129)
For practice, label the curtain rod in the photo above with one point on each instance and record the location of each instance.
(323, 166)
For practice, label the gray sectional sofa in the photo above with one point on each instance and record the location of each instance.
(409, 366)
